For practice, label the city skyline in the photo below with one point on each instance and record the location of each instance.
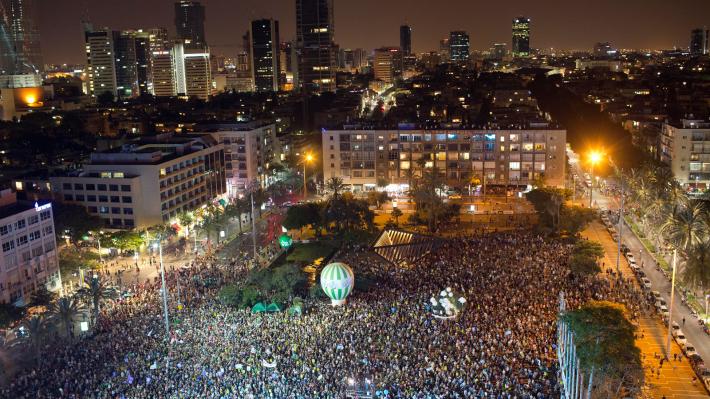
(658, 25)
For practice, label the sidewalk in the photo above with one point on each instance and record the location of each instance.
(675, 378)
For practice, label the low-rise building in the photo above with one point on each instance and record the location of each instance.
(365, 158)
(685, 147)
(29, 249)
(147, 181)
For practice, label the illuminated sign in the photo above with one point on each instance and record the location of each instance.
(40, 208)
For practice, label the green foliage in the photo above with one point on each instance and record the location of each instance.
(124, 240)
(74, 221)
(307, 253)
(316, 292)
(300, 216)
(396, 214)
(584, 259)
(42, 297)
(604, 338)
(71, 260)
(574, 219)
(245, 297)
(278, 284)
(377, 198)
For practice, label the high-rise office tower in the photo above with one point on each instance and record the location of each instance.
(388, 64)
(604, 50)
(124, 48)
(162, 74)
(315, 39)
(20, 51)
(459, 46)
(521, 37)
(100, 61)
(265, 54)
(405, 39)
(498, 51)
(192, 71)
(444, 50)
(699, 41)
(190, 23)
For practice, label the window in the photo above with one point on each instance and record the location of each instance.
(90, 187)
(102, 187)
(125, 187)
(113, 187)
(22, 240)
(128, 222)
(48, 230)
(34, 219)
(116, 211)
(103, 209)
(93, 209)
(79, 197)
(20, 224)
(103, 198)
(115, 198)
(126, 200)
(78, 186)
(48, 246)
(66, 186)
(68, 197)
(8, 246)
(37, 251)
(515, 166)
(128, 211)
(5, 229)
(26, 256)
(35, 235)
(44, 215)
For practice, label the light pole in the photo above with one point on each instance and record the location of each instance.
(159, 246)
(594, 158)
(307, 158)
(98, 239)
(670, 308)
(253, 226)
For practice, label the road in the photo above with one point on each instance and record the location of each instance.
(682, 314)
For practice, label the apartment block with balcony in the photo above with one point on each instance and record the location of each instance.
(29, 255)
(250, 150)
(148, 181)
(364, 158)
(685, 147)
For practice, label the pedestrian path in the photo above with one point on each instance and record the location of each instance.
(673, 379)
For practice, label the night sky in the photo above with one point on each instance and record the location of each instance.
(569, 24)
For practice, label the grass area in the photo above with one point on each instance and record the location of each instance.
(307, 253)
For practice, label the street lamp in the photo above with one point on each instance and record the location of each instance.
(306, 159)
(158, 245)
(594, 158)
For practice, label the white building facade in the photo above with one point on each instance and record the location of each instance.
(685, 147)
(365, 159)
(29, 249)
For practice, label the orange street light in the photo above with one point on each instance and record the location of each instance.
(594, 158)
(306, 159)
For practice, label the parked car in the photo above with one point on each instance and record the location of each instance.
(646, 282)
(680, 338)
(630, 257)
(656, 294)
(689, 350)
(625, 249)
(661, 303)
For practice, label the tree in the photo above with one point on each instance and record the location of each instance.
(574, 219)
(96, 291)
(396, 214)
(697, 265)
(186, 220)
(36, 329)
(377, 198)
(688, 225)
(124, 240)
(425, 191)
(74, 221)
(335, 186)
(548, 202)
(65, 310)
(584, 259)
(9, 314)
(606, 347)
(300, 216)
(42, 297)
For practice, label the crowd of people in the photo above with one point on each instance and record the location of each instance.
(385, 339)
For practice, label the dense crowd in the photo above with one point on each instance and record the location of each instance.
(502, 345)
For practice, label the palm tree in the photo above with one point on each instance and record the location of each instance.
(186, 219)
(335, 185)
(96, 291)
(65, 310)
(697, 266)
(688, 225)
(36, 329)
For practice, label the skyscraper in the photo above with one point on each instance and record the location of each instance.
(190, 23)
(405, 39)
(19, 38)
(459, 46)
(100, 61)
(699, 41)
(521, 37)
(388, 64)
(192, 71)
(124, 48)
(315, 39)
(265, 54)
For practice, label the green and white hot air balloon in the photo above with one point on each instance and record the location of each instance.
(337, 281)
